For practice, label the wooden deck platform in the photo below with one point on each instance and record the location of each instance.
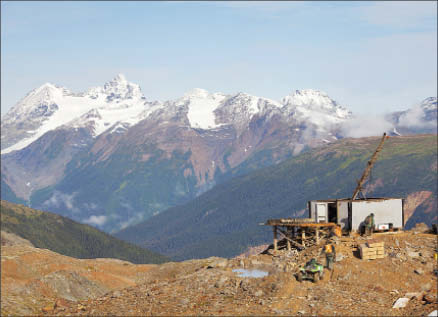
(294, 230)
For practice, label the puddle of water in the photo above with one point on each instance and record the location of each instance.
(250, 273)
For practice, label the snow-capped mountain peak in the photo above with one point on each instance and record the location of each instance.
(120, 88)
(429, 104)
(120, 78)
(201, 106)
(315, 107)
(310, 100)
(39, 103)
(309, 97)
(197, 93)
(49, 107)
(117, 90)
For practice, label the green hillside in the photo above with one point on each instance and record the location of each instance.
(123, 188)
(224, 221)
(62, 235)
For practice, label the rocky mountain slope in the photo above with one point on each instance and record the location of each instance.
(67, 237)
(212, 287)
(33, 279)
(111, 154)
(224, 221)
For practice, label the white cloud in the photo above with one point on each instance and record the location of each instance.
(90, 205)
(96, 220)
(414, 118)
(58, 199)
(363, 126)
(131, 221)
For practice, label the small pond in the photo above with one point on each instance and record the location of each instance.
(250, 273)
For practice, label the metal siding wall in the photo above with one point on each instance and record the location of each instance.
(313, 209)
(343, 214)
(385, 211)
(322, 211)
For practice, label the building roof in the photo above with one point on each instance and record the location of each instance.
(356, 200)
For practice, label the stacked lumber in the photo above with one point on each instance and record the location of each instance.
(372, 250)
(296, 220)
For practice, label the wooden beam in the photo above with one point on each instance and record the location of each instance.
(275, 238)
(303, 237)
(291, 240)
(319, 224)
(287, 240)
(317, 235)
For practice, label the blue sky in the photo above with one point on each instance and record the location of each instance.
(371, 57)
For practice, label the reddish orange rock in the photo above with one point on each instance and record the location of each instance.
(48, 308)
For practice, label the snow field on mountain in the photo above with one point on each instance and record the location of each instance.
(201, 109)
(69, 107)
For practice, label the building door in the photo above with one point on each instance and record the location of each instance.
(321, 212)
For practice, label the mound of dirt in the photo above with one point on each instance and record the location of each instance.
(212, 287)
(33, 279)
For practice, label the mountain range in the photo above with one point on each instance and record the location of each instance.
(225, 220)
(111, 158)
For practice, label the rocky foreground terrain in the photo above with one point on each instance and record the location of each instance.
(37, 281)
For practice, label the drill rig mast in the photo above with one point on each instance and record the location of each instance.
(368, 168)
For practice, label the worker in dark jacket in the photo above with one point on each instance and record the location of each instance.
(369, 224)
(330, 254)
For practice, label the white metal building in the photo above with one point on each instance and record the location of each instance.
(350, 214)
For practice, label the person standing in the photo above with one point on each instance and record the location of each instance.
(369, 224)
(330, 254)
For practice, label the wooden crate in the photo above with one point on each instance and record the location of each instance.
(369, 257)
(373, 243)
(371, 253)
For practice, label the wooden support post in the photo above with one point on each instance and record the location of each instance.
(284, 234)
(317, 235)
(288, 241)
(303, 236)
(275, 238)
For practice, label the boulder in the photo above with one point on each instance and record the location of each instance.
(419, 271)
(255, 262)
(426, 287)
(340, 257)
(48, 308)
(413, 254)
(421, 227)
(219, 263)
(401, 302)
(244, 285)
(430, 298)
(221, 282)
(258, 293)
